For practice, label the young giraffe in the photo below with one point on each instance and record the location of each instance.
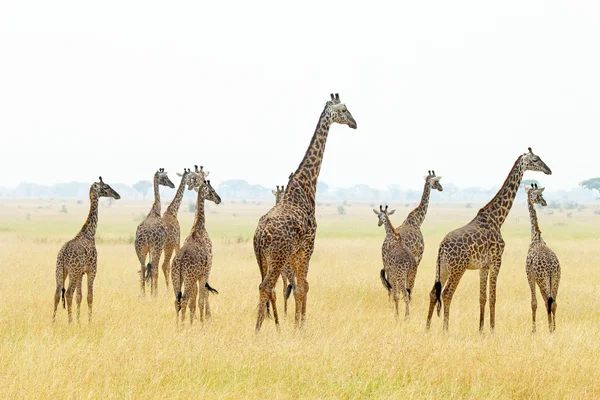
(151, 235)
(411, 227)
(173, 233)
(399, 263)
(193, 263)
(289, 231)
(542, 265)
(479, 245)
(79, 256)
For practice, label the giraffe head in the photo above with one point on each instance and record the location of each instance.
(101, 189)
(197, 177)
(186, 176)
(383, 214)
(163, 179)
(340, 112)
(208, 193)
(278, 193)
(533, 162)
(434, 181)
(535, 194)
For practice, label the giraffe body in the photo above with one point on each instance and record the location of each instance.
(288, 235)
(192, 264)
(79, 256)
(479, 245)
(150, 237)
(542, 265)
(399, 264)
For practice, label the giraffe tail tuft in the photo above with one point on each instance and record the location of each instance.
(148, 271)
(210, 289)
(550, 301)
(179, 297)
(288, 291)
(384, 281)
(438, 296)
(63, 297)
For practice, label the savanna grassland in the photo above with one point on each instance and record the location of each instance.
(351, 346)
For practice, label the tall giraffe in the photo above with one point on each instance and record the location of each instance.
(173, 232)
(79, 256)
(542, 265)
(192, 265)
(411, 227)
(399, 264)
(290, 228)
(151, 235)
(479, 245)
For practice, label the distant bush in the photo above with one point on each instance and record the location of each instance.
(191, 207)
(554, 205)
(341, 210)
(63, 209)
(468, 205)
(597, 212)
(79, 201)
(571, 205)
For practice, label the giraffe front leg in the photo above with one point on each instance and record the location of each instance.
(493, 281)
(483, 277)
(78, 298)
(69, 296)
(90, 293)
(166, 266)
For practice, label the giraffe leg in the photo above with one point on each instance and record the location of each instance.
(273, 299)
(166, 266)
(78, 298)
(396, 299)
(483, 277)
(433, 295)
(265, 289)
(69, 296)
(192, 302)
(90, 293)
(154, 262)
(142, 252)
(533, 301)
(284, 281)
(493, 281)
(202, 299)
(406, 297)
(61, 277)
(447, 294)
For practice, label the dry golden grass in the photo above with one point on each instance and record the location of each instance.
(351, 347)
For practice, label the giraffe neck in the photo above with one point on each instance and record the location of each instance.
(199, 220)
(173, 208)
(498, 208)
(417, 216)
(89, 227)
(303, 185)
(390, 230)
(155, 210)
(536, 234)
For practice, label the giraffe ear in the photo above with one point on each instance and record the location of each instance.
(178, 174)
(274, 192)
(542, 189)
(376, 212)
(391, 212)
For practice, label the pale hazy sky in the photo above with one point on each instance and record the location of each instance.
(121, 88)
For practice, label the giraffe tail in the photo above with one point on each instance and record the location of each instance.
(438, 285)
(550, 301)
(384, 281)
(179, 297)
(148, 272)
(63, 297)
(210, 289)
(288, 291)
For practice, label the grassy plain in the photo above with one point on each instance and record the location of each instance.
(351, 347)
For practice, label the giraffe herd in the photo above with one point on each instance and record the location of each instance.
(285, 237)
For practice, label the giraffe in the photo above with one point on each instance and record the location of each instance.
(399, 264)
(479, 245)
(169, 218)
(151, 235)
(193, 263)
(287, 274)
(289, 231)
(79, 256)
(542, 265)
(411, 227)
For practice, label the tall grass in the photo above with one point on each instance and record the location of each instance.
(351, 346)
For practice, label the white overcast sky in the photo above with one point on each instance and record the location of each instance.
(121, 88)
